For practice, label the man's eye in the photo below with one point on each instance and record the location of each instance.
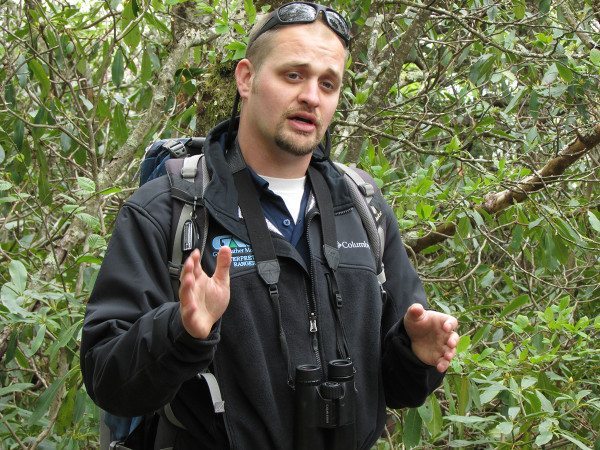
(293, 76)
(328, 85)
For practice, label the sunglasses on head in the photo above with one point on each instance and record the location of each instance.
(303, 12)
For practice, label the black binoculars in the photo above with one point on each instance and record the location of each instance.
(325, 410)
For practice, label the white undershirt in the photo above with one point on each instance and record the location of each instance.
(290, 190)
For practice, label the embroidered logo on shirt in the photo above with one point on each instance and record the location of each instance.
(352, 244)
(241, 251)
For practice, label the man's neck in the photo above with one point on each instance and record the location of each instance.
(272, 162)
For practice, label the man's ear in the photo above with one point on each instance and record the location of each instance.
(244, 76)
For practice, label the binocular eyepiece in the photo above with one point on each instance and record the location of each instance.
(325, 410)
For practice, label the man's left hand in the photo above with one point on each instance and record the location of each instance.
(432, 335)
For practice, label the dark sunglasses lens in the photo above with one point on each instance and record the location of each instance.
(297, 13)
(338, 24)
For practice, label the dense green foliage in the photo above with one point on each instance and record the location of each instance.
(445, 105)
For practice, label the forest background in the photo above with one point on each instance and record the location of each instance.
(479, 119)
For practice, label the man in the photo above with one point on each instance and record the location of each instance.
(141, 349)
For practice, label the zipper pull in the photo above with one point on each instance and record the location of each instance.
(313, 322)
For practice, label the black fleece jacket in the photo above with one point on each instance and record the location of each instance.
(136, 355)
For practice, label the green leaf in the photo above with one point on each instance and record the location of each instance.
(424, 210)
(65, 142)
(453, 145)
(37, 342)
(86, 185)
(463, 393)
(468, 419)
(514, 101)
(515, 304)
(42, 77)
(546, 404)
(250, 11)
(505, 427)
(222, 28)
(534, 104)
(119, 125)
(89, 220)
(12, 300)
(543, 438)
(155, 23)
(595, 56)
(45, 400)
(110, 191)
(487, 280)
(18, 275)
(44, 191)
(63, 339)
(577, 442)
(146, 72)
(519, 9)
(19, 134)
(22, 71)
(133, 37)
(594, 221)
(89, 259)
(118, 68)
(95, 241)
(490, 393)
(544, 6)
(482, 332)
(64, 420)
(550, 75)
(463, 343)
(436, 423)
(5, 185)
(411, 434)
(564, 72)
(16, 387)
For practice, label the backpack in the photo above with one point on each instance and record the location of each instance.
(182, 160)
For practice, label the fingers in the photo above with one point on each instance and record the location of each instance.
(221, 274)
(415, 312)
(190, 273)
(442, 365)
(453, 340)
(450, 324)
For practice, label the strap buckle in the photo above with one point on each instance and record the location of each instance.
(176, 148)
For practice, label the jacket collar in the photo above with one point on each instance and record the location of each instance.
(221, 193)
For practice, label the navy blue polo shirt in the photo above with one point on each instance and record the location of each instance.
(277, 213)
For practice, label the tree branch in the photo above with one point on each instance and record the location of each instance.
(156, 112)
(155, 115)
(388, 76)
(497, 202)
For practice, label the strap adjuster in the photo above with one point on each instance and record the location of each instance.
(176, 148)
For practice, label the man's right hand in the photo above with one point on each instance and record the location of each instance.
(203, 299)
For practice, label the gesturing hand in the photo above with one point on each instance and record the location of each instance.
(203, 299)
(432, 335)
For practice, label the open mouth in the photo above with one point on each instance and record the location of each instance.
(304, 122)
(302, 119)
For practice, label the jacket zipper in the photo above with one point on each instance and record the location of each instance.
(312, 299)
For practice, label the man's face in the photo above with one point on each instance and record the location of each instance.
(294, 93)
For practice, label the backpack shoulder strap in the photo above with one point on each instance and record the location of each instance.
(362, 189)
(188, 178)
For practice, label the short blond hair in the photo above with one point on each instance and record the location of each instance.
(259, 46)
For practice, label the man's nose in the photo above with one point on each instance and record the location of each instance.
(309, 94)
